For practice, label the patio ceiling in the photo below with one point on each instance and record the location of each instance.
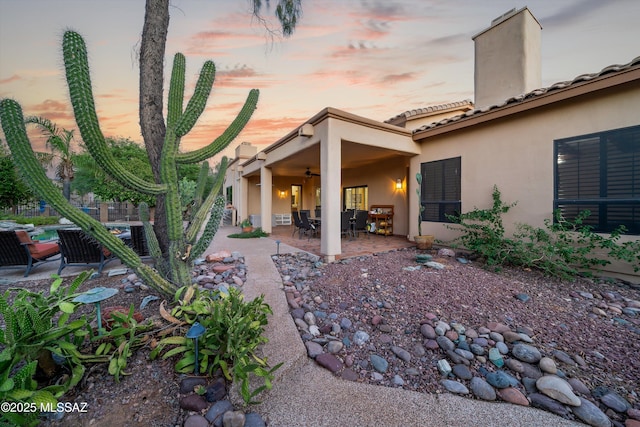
(354, 156)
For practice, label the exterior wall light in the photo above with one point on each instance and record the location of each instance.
(399, 184)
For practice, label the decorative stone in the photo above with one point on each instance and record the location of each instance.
(216, 390)
(591, 414)
(427, 331)
(515, 365)
(233, 419)
(454, 387)
(379, 363)
(462, 371)
(496, 358)
(434, 265)
(310, 318)
(530, 371)
(329, 361)
(189, 383)
(616, 402)
(563, 357)
(214, 414)
(548, 404)
(360, 337)
(547, 365)
(578, 386)
(558, 389)
(481, 389)
(445, 343)
(334, 347)
(513, 395)
(444, 367)
(253, 419)
(502, 347)
(196, 421)
(313, 349)
(401, 353)
(526, 353)
(193, 402)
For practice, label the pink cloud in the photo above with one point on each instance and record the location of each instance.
(11, 79)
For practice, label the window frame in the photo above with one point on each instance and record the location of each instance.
(441, 202)
(600, 204)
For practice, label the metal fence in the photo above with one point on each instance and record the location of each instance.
(104, 212)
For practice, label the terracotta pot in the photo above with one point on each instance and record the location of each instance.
(247, 229)
(424, 242)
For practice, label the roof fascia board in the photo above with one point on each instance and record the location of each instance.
(558, 95)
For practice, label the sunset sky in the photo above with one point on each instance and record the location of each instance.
(374, 58)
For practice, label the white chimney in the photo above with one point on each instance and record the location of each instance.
(507, 58)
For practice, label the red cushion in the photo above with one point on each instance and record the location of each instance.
(23, 236)
(44, 250)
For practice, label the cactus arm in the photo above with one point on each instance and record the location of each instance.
(228, 135)
(15, 131)
(79, 81)
(201, 214)
(210, 229)
(201, 184)
(198, 101)
(176, 90)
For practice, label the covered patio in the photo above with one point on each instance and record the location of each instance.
(333, 151)
(358, 246)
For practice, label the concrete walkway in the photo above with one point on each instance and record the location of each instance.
(305, 394)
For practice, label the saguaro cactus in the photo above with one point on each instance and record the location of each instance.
(183, 244)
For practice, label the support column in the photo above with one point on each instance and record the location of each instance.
(243, 199)
(331, 181)
(266, 197)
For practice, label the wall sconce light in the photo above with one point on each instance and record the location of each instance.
(283, 194)
(399, 184)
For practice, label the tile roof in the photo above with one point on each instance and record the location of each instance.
(535, 93)
(431, 109)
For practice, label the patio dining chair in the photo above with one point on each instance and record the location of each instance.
(78, 248)
(345, 224)
(18, 250)
(361, 223)
(297, 223)
(306, 227)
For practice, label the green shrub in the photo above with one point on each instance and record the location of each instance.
(258, 232)
(234, 331)
(35, 220)
(563, 248)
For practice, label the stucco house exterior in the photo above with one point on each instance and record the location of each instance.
(572, 146)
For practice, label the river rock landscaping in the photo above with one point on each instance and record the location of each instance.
(435, 322)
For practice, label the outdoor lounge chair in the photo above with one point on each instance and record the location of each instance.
(139, 240)
(18, 250)
(78, 248)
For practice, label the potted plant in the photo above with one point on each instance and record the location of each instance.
(246, 226)
(426, 241)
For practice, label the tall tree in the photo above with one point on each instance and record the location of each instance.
(173, 247)
(59, 142)
(152, 52)
(13, 190)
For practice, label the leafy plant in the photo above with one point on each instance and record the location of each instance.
(246, 223)
(33, 342)
(258, 232)
(234, 331)
(563, 248)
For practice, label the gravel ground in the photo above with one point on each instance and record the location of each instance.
(559, 316)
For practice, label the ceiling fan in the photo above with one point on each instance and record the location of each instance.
(309, 174)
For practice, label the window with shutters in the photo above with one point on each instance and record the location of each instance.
(440, 189)
(600, 173)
